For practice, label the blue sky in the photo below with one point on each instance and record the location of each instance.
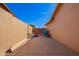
(33, 13)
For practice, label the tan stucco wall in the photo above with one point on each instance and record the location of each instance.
(65, 27)
(12, 31)
(30, 30)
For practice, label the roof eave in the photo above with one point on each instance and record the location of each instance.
(5, 7)
(54, 14)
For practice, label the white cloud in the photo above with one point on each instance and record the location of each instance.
(44, 12)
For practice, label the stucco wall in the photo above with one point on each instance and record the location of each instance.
(30, 30)
(12, 31)
(65, 27)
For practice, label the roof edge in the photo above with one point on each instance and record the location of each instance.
(55, 13)
(5, 7)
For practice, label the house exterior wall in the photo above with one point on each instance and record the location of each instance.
(12, 31)
(65, 26)
(30, 30)
(38, 30)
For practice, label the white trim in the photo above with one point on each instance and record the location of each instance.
(21, 43)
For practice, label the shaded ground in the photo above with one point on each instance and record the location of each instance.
(43, 46)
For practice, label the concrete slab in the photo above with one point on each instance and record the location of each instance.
(43, 46)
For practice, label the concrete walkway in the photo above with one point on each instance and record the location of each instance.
(43, 46)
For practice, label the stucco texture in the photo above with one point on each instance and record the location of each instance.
(12, 31)
(65, 26)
